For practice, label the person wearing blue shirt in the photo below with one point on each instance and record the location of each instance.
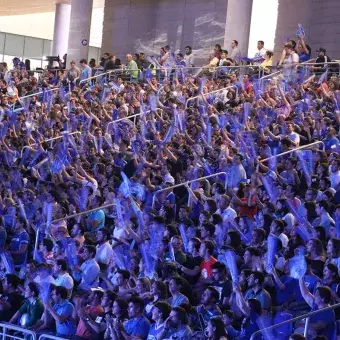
(322, 323)
(61, 312)
(86, 70)
(19, 244)
(304, 51)
(160, 312)
(331, 142)
(138, 326)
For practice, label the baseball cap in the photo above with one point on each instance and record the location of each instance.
(321, 49)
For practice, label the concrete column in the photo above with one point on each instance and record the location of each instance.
(238, 24)
(80, 26)
(61, 29)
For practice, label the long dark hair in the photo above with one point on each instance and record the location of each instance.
(217, 323)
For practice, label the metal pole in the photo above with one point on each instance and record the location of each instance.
(205, 94)
(293, 150)
(58, 137)
(38, 93)
(306, 328)
(185, 183)
(83, 213)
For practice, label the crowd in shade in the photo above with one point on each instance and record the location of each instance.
(196, 218)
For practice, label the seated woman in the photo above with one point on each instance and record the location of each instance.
(267, 63)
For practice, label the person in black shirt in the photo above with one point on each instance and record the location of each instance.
(221, 282)
(11, 300)
(110, 64)
(191, 270)
(321, 59)
(104, 59)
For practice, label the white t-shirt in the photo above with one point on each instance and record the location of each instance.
(294, 137)
(104, 253)
(228, 214)
(65, 280)
(335, 179)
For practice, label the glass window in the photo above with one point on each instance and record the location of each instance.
(33, 48)
(9, 60)
(14, 45)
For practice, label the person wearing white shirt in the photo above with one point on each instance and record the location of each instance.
(259, 55)
(335, 174)
(188, 57)
(289, 67)
(62, 277)
(104, 250)
(225, 210)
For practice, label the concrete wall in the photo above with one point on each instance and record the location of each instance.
(320, 19)
(146, 25)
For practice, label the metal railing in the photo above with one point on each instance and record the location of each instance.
(205, 94)
(125, 118)
(27, 334)
(58, 137)
(293, 150)
(38, 93)
(48, 336)
(305, 316)
(188, 182)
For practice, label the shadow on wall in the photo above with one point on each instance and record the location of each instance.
(202, 34)
(147, 25)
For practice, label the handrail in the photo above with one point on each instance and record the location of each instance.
(48, 336)
(307, 315)
(8, 326)
(205, 94)
(324, 63)
(83, 213)
(270, 75)
(124, 118)
(293, 150)
(188, 182)
(38, 93)
(96, 76)
(58, 137)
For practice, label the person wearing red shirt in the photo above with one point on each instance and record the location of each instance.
(206, 251)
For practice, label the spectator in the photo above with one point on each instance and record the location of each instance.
(189, 57)
(89, 314)
(176, 326)
(89, 269)
(259, 56)
(62, 277)
(86, 71)
(324, 322)
(18, 247)
(61, 312)
(11, 300)
(160, 313)
(32, 307)
(138, 325)
(235, 51)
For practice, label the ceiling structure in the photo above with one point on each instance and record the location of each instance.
(18, 7)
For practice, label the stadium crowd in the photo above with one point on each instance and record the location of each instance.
(254, 244)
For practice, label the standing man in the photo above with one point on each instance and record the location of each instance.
(131, 65)
(259, 55)
(86, 70)
(189, 57)
(235, 51)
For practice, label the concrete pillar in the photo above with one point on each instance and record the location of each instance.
(238, 24)
(61, 29)
(80, 26)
